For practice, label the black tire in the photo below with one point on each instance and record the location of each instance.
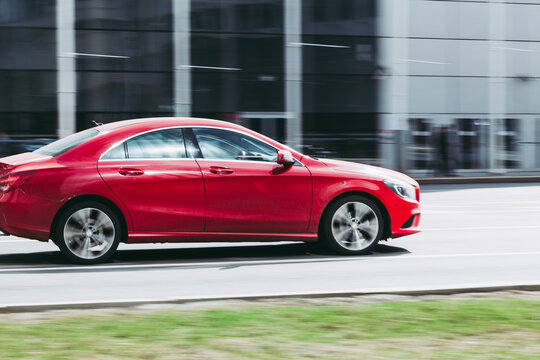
(361, 242)
(108, 233)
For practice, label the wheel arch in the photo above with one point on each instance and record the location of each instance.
(387, 231)
(91, 197)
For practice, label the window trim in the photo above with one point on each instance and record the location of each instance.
(193, 138)
(126, 152)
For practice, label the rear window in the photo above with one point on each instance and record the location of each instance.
(69, 142)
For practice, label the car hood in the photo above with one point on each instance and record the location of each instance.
(367, 170)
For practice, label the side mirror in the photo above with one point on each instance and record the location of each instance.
(284, 157)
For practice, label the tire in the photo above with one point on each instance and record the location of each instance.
(88, 232)
(352, 225)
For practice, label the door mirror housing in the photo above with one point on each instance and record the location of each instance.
(284, 157)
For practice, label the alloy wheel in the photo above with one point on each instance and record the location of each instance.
(355, 226)
(89, 233)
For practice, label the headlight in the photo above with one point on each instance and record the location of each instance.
(401, 189)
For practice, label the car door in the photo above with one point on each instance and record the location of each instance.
(161, 187)
(246, 190)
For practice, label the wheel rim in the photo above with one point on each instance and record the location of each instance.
(355, 226)
(89, 233)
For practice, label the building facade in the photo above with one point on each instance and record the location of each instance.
(471, 65)
(367, 80)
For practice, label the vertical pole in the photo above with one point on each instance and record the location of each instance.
(181, 46)
(393, 79)
(293, 72)
(66, 80)
(497, 80)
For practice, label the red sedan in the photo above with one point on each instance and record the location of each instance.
(190, 180)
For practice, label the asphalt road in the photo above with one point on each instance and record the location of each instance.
(474, 235)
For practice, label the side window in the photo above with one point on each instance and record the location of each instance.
(116, 152)
(230, 145)
(160, 144)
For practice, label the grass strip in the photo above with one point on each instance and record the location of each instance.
(445, 329)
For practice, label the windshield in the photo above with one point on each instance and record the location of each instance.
(69, 142)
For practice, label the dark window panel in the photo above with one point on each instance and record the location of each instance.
(125, 92)
(206, 15)
(84, 119)
(247, 52)
(339, 93)
(20, 123)
(339, 123)
(347, 9)
(28, 13)
(340, 135)
(357, 56)
(253, 16)
(339, 17)
(144, 51)
(27, 90)
(27, 49)
(124, 14)
(231, 92)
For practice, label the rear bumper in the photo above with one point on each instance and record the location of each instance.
(23, 218)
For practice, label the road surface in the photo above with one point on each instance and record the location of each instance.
(474, 235)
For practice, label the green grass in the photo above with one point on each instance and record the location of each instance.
(454, 329)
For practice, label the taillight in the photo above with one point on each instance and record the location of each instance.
(13, 181)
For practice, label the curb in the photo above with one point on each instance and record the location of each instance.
(8, 309)
(479, 180)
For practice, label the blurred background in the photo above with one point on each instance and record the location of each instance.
(426, 87)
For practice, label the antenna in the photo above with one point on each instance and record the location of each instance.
(96, 123)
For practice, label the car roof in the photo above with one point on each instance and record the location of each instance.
(158, 122)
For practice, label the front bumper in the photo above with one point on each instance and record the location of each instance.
(405, 216)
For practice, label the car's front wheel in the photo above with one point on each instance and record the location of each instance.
(352, 225)
(88, 232)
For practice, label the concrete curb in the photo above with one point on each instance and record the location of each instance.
(23, 308)
(479, 180)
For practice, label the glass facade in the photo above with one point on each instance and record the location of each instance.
(124, 62)
(237, 58)
(124, 66)
(339, 86)
(27, 67)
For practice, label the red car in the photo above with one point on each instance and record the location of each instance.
(191, 180)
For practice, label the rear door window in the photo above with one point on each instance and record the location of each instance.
(160, 144)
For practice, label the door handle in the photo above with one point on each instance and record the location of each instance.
(220, 170)
(130, 172)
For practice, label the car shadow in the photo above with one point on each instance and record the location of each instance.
(185, 256)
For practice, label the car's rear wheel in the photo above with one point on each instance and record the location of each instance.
(88, 232)
(352, 225)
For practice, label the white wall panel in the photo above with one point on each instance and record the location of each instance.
(433, 19)
(428, 94)
(473, 20)
(523, 22)
(473, 95)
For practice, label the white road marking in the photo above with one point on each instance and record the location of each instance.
(483, 228)
(473, 204)
(481, 212)
(261, 262)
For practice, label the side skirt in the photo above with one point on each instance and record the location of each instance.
(214, 236)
